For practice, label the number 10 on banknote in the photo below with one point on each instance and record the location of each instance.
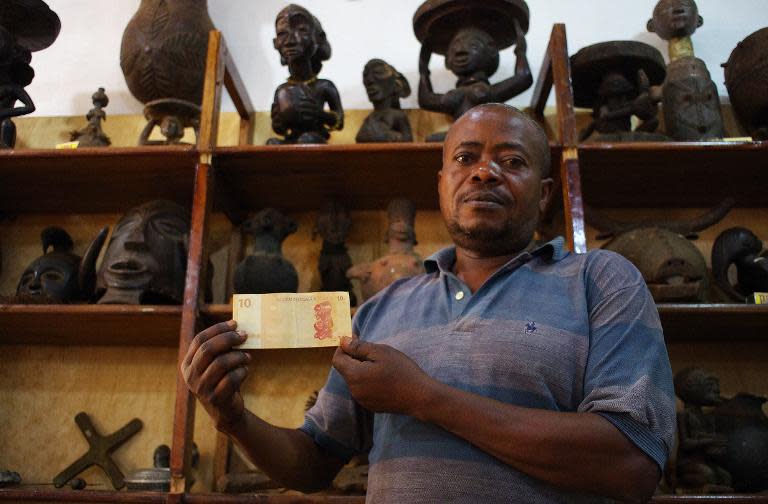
(313, 319)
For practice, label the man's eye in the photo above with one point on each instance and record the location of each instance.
(463, 158)
(514, 162)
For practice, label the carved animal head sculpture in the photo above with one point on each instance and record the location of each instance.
(146, 260)
(742, 248)
(59, 276)
(672, 267)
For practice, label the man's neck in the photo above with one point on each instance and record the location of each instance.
(474, 269)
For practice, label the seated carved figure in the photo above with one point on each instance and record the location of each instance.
(701, 447)
(475, 37)
(298, 110)
(385, 86)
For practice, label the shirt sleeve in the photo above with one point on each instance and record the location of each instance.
(628, 379)
(336, 422)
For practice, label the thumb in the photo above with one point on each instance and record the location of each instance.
(354, 347)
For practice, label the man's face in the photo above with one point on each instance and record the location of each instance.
(490, 187)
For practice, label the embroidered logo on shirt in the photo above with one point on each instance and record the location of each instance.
(530, 327)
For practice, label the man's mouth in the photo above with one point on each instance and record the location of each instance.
(484, 200)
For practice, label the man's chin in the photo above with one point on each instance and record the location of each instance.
(487, 240)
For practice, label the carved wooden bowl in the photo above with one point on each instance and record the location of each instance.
(437, 21)
(33, 24)
(593, 62)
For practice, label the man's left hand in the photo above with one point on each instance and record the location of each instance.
(381, 378)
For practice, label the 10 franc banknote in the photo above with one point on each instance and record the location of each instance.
(313, 319)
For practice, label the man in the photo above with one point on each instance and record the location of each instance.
(507, 373)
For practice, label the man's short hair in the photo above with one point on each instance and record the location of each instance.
(542, 141)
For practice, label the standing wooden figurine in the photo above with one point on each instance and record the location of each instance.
(470, 33)
(298, 110)
(385, 86)
(92, 135)
(26, 26)
(690, 100)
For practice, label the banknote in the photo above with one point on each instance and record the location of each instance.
(313, 319)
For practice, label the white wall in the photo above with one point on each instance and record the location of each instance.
(87, 53)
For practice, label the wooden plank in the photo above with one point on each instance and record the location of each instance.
(93, 180)
(271, 499)
(87, 496)
(674, 174)
(572, 202)
(184, 412)
(303, 177)
(211, 105)
(110, 325)
(561, 77)
(544, 83)
(715, 322)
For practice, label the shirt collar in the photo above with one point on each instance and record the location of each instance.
(443, 260)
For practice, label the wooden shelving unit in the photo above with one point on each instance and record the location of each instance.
(300, 178)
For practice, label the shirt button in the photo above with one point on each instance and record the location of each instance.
(459, 295)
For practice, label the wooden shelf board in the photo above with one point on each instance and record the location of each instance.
(674, 174)
(49, 494)
(109, 325)
(696, 499)
(304, 177)
(723, 322)
(270, 499)
(108, 180)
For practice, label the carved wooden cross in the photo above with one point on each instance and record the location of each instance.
(100, 451)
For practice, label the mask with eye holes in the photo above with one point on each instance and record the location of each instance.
(59, 276)
(146, 259)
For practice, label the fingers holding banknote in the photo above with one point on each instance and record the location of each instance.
(214, 372)
(380, 377)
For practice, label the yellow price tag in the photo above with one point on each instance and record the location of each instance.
(761, 298)
(68, 145)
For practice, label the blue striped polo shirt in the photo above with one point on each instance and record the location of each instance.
(549, 330)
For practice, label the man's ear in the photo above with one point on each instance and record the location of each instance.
(547, 189)
(651, 27)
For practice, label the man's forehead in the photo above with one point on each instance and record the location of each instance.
(482, 125)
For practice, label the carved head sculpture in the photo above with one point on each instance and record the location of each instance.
(384, 84)
(472, 51)
(300, 35)
(697, 386)
(334, 223)
(146, 260)
(691, 102)
(675, 19)
(401, 233)
(59, 276)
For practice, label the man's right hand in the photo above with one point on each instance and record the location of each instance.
(214, 373)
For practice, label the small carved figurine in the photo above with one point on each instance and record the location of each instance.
(60, 276)
(401, 261)
(162, 56)
(618, 80)
(746, 77)
(25, 26)
(470, 34)
(385, 86)
(740, 247)
(742, 421)
(298, 110)
(266, 270)
(146, 259)
(92, 135)
(701, 448)
(672, 267)
(690, 100)
(333, 225)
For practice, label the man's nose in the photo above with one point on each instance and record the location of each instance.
(486, 172)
